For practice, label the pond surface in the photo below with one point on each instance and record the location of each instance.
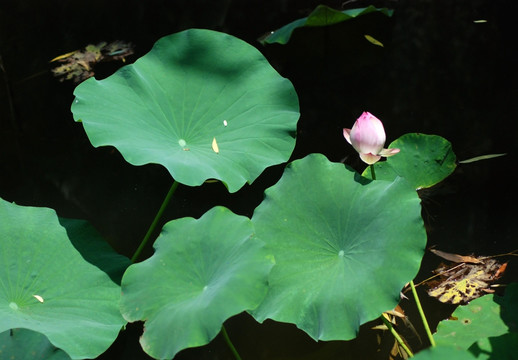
(441, 71)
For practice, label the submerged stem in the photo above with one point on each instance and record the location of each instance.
(229, 343)
(155, 222)
(396, 335)
(421, 313)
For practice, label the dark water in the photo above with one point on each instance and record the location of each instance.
(438, 73)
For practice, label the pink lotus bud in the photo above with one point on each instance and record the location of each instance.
(368, 138)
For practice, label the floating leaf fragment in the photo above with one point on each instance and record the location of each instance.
(456, 258)
(482, 157)
(78, 65)
(373, 41)
(215, 147)
(465, 282)
(64, 56)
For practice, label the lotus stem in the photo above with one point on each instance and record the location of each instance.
(152, 228)
(373, 174)
(396, 335)
(229, 343)
(421, 313)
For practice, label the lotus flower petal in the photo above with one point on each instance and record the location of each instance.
(367, 136)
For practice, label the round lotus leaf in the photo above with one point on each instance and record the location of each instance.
(344, 247)
(424, 160)
(27, 344)
(47, 286)
(479, 319)
(203, 104)
(203, 271)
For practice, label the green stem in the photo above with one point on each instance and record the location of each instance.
(373, 174)
(229, 343)
(158, 216)
(396, 335)
(421, 313)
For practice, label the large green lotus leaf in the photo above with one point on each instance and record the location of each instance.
(202, 272)
(344, 247)
(321, 16)
(47, 286)
(424, 160)
(23, 344)
(442, 353)
(202, 103)
(479, 319)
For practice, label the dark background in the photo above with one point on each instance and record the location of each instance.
(439, 73)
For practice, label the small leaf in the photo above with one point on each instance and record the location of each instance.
(373, 41)
(321, 16)
(423, 160)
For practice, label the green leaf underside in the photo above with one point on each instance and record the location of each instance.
(424, 160)
(343, 249)
(79, 313)
(202, 272)
(94, 248)
(321, 16)
(191, 88)
(27, 344)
